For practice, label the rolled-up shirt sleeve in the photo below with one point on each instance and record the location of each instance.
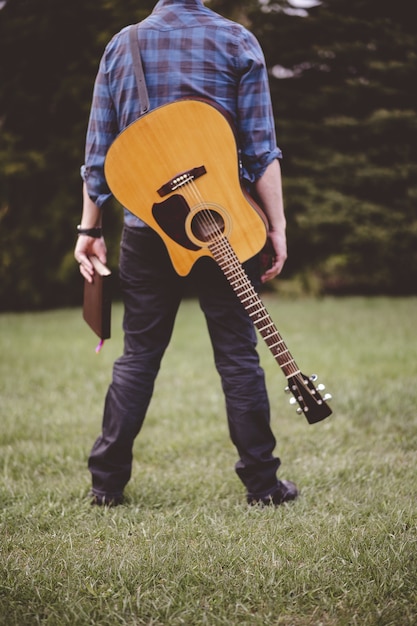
(101, 132)
(257, 139)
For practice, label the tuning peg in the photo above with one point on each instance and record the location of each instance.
(313, 377)
(293, 401)
(287, 389)
(327, 397)
(321, 387)
(299, 411)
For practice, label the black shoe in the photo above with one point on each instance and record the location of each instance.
(285, 491)
(105, 500)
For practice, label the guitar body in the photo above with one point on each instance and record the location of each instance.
(191, 141)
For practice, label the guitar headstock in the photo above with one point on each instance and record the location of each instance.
(311, 403)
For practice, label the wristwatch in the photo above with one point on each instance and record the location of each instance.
(90, 232)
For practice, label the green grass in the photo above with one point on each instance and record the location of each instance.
(186, 549)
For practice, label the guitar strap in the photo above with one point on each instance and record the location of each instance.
(138, 68)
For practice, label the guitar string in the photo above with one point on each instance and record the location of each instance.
(205, 218)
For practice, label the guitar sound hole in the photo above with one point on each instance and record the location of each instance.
(207, 225)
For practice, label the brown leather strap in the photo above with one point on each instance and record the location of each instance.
(138, 68)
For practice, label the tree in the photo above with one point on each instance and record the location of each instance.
(52, 51)
(346, 121)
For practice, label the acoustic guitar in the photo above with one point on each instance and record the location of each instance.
(177, 169)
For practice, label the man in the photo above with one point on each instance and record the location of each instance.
(187, 51)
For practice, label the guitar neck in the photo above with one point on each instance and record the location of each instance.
(226, 258)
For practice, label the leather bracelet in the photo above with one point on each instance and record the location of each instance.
(90, 232)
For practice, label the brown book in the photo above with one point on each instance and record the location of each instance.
(97, 300)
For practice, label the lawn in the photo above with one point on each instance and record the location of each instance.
(185, 548)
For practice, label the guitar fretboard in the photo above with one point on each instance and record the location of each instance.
(226, 258)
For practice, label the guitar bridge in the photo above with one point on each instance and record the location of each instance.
(181, 179)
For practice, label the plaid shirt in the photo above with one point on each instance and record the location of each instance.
(187, 51)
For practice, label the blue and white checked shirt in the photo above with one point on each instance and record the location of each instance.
(187, 51)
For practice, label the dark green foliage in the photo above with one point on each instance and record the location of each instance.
(345, 119)
(347, 125)
(50, 52)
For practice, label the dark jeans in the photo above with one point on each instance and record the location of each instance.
(152, 292)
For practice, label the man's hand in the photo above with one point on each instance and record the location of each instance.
(269, 190)
(274, 255)
(86, 247)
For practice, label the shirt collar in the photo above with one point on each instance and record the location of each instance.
(185, 3)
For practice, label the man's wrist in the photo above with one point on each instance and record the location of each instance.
(95, 232)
